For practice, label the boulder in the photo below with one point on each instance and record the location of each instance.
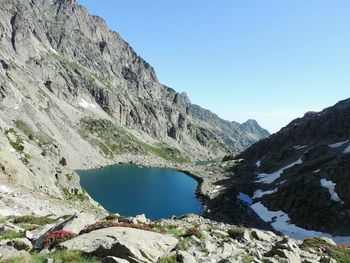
(8, 252)
(260, 235)
(20, 244)
(293, 257)
(39, 234)
(141, 219)
(185, 257)
(131, 244)
(79, 222)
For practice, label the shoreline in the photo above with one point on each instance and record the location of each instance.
(198, 173)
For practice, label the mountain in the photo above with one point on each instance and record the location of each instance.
(235, 135)
(303, 170)
(74, 94)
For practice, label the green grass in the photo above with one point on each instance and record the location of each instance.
(175, 232)
(247, 258)
(12, 235)
(24, 127)
(340, 253)
(43, 139)
(168, 259)
(167, 153)
(111, 140)
(33, 220)
(75, 195)
(62, 256)
(186, 243)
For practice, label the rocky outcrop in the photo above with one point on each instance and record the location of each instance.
(302, 170)
(187, 239)
(130, 244)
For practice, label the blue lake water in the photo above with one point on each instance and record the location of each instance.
(131, 190)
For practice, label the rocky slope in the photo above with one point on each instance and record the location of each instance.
(190, 239)
(301, 173)
(73, 94)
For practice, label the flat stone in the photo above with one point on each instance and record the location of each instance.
(286, 254)
(79, 222)
(260, 235)
(126, 243)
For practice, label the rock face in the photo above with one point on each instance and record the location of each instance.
(131, 244)
(73, 94)
(303, 171)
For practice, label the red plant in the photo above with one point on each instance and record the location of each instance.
(52, 239)
(343, 246)
(324, 247)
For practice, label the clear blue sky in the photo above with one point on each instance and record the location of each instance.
(269, 60)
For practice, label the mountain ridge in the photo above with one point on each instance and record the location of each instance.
(72, 89)
(302, 170)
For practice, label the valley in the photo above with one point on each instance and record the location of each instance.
(100, 162)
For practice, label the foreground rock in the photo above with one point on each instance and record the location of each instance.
(131, 244)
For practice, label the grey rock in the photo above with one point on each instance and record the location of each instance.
(9, 251)
(125, 243)
(185, 257)
(260, 235)
(79, 222)
(39, 234)
(141, 219)
(293, 257)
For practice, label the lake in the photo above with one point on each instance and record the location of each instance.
(131, 190)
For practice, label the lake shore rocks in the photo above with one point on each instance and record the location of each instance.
(186, 239)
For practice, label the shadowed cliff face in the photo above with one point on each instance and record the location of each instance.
(303, 170)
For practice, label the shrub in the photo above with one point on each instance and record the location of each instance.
(193, 231)
(52, 239)
(236, 232)
(41, 220)
(108, 223)
(341, 253)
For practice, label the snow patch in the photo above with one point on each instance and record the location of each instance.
(259, 193)
(347, 150)
(331, 188)
(54, 51)
(6, 190)
(298, 147)
(337, 144)
(280, 221)
(269, 178)
(245, 198)
(83, 103)
(258, 163)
